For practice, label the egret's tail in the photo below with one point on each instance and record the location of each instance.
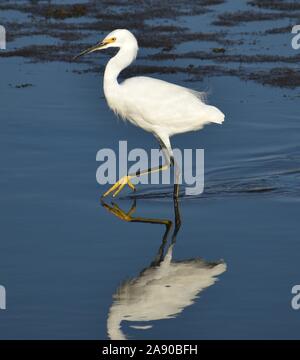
(215, 115)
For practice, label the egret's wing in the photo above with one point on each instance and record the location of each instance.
(163, 104)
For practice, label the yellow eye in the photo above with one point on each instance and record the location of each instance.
(114, 39)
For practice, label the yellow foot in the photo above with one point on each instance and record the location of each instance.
(119, 185)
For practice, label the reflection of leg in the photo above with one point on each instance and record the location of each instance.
(117, 211)
(177, 220)
(132, 209)
(160, 254)
(128, 216)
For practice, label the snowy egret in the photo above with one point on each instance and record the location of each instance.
(157, 106)
(163, 289)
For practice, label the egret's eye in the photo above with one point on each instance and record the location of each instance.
(114, 39)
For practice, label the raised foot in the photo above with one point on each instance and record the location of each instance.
(119, 185)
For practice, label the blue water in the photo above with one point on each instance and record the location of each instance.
(64, 259)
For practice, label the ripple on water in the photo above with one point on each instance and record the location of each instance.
(276, 175)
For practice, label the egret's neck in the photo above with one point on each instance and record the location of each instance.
(119, 62)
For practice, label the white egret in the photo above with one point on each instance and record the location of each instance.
(157, 106)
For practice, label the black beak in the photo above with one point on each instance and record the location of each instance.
(90, 50)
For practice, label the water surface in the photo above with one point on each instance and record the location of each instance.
(73, 269)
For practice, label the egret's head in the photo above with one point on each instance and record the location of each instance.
(117, 38)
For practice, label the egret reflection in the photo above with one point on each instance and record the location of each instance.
(164, 288)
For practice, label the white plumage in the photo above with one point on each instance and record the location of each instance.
(157, 106)
(162, 107)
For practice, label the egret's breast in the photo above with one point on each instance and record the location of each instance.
(116, 105)
(127, 111)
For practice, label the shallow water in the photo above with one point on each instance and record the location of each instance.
(69, 264)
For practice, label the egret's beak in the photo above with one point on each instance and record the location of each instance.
(90, 50)
(96, 47)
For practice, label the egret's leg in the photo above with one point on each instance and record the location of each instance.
(126, 180)
(166, 147)
(177, 220)
(177, 177)
(170, 161)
